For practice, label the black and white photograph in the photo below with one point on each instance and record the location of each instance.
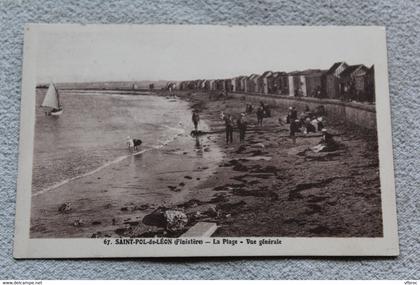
(227, 135)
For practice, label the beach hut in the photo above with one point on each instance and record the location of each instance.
(207, 85)
(237, 84)
(258, 84)
(220, 83)
(252, 83)
(265, 82)
(233, 84)
(212, 84)
(202, 84)
(279, 83)
(297, 84)
(352, 83)
(290, 84)
(197, 84)
(361, 78)
(190, 85)
(332, 76)
(315, 83)
(241, 83)
(228, 85)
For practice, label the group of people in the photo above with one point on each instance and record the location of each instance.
(241, 124)
(311, 122)
(263, 111)
(307, 122)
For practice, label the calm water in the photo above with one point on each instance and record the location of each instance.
(91, 133)
(82, 158)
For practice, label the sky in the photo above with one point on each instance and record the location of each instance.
(76, 53)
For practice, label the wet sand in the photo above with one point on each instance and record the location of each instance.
(267, 186)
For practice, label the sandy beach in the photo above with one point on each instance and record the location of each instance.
(266, 186)
(283, 189)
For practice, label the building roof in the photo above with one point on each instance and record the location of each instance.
(253, 76)
(334, 67)
(350, 69)
(267, 73)
(279, 73)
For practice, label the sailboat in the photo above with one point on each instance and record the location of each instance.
(52, 102)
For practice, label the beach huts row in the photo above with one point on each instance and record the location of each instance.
(340, 81)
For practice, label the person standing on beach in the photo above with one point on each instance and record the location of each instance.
(229, 129)
(195, 119)
(292, 115)
(294, 127)
(242, 123)
(260, 116)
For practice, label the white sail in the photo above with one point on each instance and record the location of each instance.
(51, 98)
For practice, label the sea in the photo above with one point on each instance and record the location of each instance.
(92, 132)
(81, 158)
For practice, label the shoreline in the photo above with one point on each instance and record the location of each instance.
(107, 200)
(277, 190)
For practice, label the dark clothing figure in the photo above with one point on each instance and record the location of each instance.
(307, 113)
(310, 128)
(327, 138)
(195, 119)
(327, 142)
(294, 128)
(249, 108)
(260, 116)
(291, 115)
(242, 124)
(229, 129)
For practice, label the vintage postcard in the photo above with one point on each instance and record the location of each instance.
(171, 140)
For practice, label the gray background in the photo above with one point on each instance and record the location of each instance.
(401, 19)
